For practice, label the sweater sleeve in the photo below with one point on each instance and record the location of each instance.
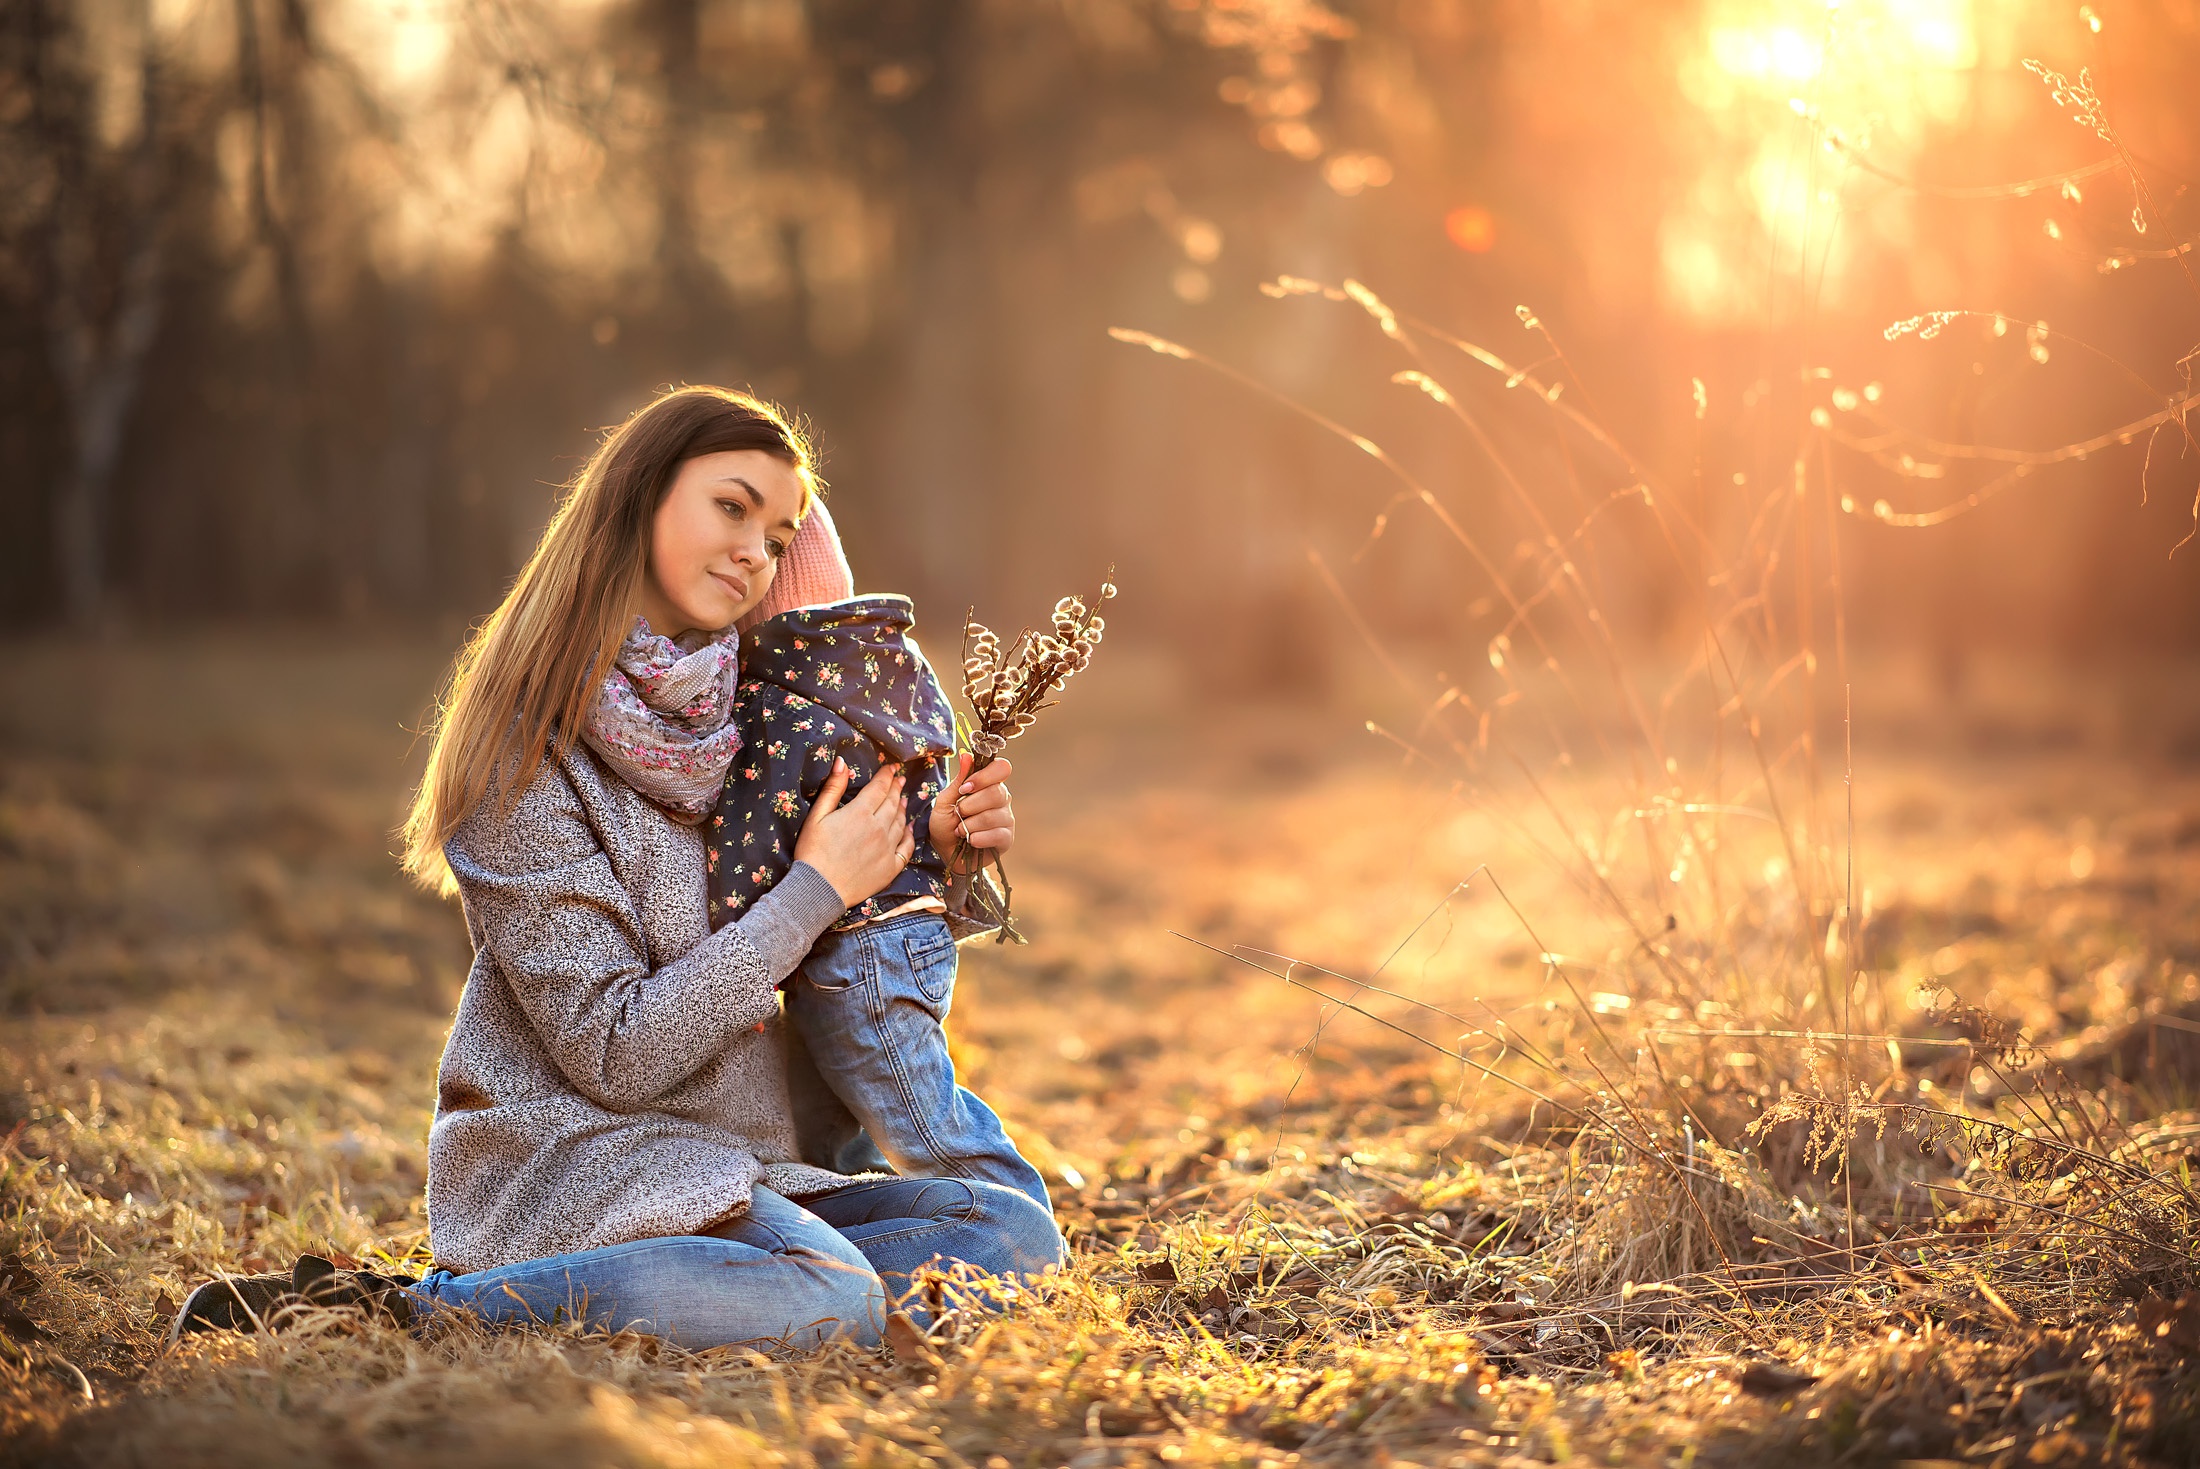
(545, 902)
(783, 924)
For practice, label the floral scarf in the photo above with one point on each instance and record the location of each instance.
(664, 718)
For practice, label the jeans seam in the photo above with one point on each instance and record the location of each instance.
(913, 1232)
(972, 1216)
(578, 1294)
(633, 1249)
(972, 1208)
(897, 1064)
(915, 976)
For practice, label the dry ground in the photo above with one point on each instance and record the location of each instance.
(220, 1012)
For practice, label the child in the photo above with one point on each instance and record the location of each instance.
(825, 673)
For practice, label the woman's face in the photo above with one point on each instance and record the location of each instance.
(718, 537)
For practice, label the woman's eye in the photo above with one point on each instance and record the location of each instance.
(777, 548)
(734, 508)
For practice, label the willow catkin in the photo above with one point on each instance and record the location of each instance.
(1006, 687)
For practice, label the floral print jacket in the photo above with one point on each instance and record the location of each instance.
(842, 679)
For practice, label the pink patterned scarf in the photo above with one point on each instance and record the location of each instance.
(664, 718)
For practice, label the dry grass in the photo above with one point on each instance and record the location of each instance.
(224, 1010)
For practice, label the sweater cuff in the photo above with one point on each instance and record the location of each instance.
(789, 918)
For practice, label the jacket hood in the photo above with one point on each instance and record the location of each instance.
(857, 659)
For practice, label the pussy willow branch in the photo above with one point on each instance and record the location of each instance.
(1007, 687)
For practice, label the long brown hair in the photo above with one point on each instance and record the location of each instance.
(521, 685)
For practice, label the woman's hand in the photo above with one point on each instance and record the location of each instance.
(862, 846)
(975, 810)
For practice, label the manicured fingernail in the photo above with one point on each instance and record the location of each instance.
(967, 789)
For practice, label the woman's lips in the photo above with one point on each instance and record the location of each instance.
(735, 585)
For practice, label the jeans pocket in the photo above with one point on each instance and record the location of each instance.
(930, 950)
(831, 979)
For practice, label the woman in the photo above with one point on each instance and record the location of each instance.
(612, 1133)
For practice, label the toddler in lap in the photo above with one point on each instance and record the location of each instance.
(827, 674)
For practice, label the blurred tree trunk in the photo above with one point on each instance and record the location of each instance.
(411, 459)
(306, 523)
(674, 26)
(105, 251)
(940, 450)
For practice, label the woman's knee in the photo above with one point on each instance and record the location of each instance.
(815, 1278)
(840, 1301)
(1030, 1239)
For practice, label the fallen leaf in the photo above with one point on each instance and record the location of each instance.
(906, 1340)
(1769, 1379)
(1994, 1298)
(17, 1278)
(1120, 1420)
(2175, 1322)
(18, 1325)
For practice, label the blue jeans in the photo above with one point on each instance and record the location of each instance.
(867, 1006)
(781, 1274)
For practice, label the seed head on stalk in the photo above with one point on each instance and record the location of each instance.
(1007, 685)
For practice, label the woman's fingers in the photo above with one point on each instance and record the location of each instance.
(948, 787)
(986, 833)
(987, 811)
(858, 844)
(973, 814)
(992, 798)
(883, 792)
(995, 774)
(828, 795)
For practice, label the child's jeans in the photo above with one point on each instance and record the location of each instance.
(868, 1005)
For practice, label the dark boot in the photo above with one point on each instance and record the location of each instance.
(233, 1303)
(266, 1302)
(383, 1297)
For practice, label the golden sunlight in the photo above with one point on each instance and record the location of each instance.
(1773, 84)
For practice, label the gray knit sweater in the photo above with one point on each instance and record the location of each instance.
(617, 1071)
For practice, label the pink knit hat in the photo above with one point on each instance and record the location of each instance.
(814, 570)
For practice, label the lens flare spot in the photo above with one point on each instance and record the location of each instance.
(1472, 228)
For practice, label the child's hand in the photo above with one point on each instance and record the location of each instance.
(974, 809)
(862, 846)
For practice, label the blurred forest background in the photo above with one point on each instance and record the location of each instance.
(1780, 331)
(310, 304)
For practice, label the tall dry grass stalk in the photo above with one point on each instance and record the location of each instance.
(1726, 1056)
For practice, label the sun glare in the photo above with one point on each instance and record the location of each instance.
(1782, 52)
(403, 46)
(1768, 81)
